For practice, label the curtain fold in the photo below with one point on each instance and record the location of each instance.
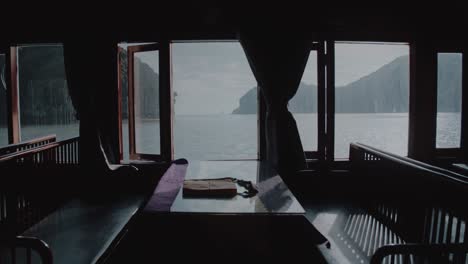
(91, 71)
(278, 64)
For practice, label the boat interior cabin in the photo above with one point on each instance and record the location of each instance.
(228, 134)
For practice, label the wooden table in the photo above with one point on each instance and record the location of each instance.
(269, 225)
(274, 197)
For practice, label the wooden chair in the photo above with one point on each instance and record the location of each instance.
(20, 250)
(421, 253)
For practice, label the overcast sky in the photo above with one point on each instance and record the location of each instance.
(210, 77)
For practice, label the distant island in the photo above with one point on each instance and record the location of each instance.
(383, 91)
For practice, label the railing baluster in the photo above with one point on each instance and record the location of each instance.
(449, 228)
(75, 154)
(442, 226)
(458, 231)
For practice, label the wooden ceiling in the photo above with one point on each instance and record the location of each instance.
(129, 22)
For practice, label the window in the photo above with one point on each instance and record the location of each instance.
(449, 100)
(3, 104)
(215, 102)
(371, 96)
(143, 98)
(45, 105)
(303, 105)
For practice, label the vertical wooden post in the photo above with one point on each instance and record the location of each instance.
(119, 99)
(423, 101)
(11, 81)
(165, 100)
(321, 140)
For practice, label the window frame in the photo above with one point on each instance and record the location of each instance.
(319, 154)
(341, 162)
(165, 99)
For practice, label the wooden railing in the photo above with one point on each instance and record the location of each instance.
(372, 153)
(370, 160)
(62, 152)
(25, 145)
(67, 151)
(419, 201)
(26, 175)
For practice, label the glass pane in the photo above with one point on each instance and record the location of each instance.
(215, 102)
(3, 106)
(45, 103)
(449, 99)
(303, 105)
(371, 96)
(146, 84)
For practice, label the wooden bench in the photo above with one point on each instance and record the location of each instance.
(83, 228)
(44, 196)
(417, 203)
(87, 230)
(395, 209)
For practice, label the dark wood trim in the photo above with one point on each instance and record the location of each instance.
(330, 101)
(312, 155)
(448, 153)
(316, 45)
(321, 140)
(165, 101)
(120, 50)
(152, 157)
(11, 76)
(143, 47)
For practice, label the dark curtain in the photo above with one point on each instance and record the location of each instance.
(91, 70)
(278, 64)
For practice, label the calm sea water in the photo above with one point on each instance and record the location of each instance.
(235, 136)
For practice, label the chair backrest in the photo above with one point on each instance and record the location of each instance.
(421, 253)
(24, 250)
